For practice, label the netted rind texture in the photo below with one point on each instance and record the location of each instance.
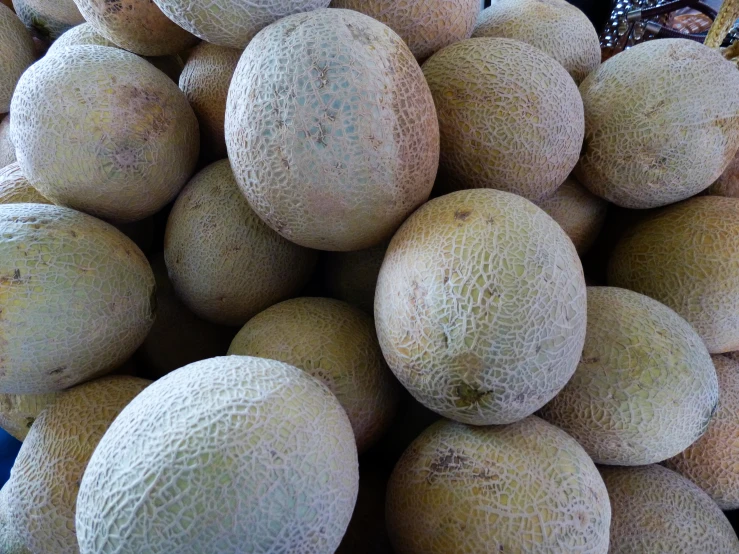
(710, 462)
(17, 53)
(7, 150)
(527, 487)
(101, 130)
(352, 276)
(19, 411)
(726, 185)
(231, 454)
(657, 511)
(75, 296)
(336, 343)
(46, 475)
(331, 129)
(48, 18)
(10, 542)
(685, 256)
(480, 306)
(15, 188)
(224, 262)
(645, 388)
(554, 26)
(510, 117)
(655, 132)
(426, 26)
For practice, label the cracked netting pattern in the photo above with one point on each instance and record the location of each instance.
(426, 26)
(232, 454)
(205, 80)
(50, 17)
(18, 53)
(554, 26)
(523, 488)
(510, 117)
(139, 26)
(352, 276)
(726, 185)
(75, 298)
(224, 262)
(10, 542)
(44, 481)
(15, 188)
(657, 511)
(645, 388)
(480, 306)
(661, 123)
(579, 212)
(232, 23)
(684, 256)
(331, 129)
(710, 462)
(102, 131)
(19, 411)
(7, 150)
(335, 343)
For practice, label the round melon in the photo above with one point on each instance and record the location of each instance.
(510, 117)
(18, 412)
(553, 26)
(336, 343)
(655, 510)
(10, 542)
(247, 454)
(7, 150)
(48, 18)
(645, 388)
(100, 130)
(480, 306)
(16, 54)
(726, 185)
(352, 276)
(205, 80)
(526, 487)
(77, 298)
(15, 188)
(330, 156)
(45, 478)
(225, 264)
(655, 131)
(687, 257)
(426, 26)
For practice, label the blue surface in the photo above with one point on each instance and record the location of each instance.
(8, 451)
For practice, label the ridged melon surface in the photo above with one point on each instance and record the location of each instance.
(16, 54)
(510, 117)
(726, 185)
(554, 26)
(426, 26)
(7, 150)
(645, 388)
(231, 454)
(10, 542)
(75, 294)
(480, 306)
(655, 132)
(48, 18)
(657, 511)
(685, 256)
(225, 264)
(15, 188)
(100, 130)
(352, 276)
(331, 129)
(45, 479)
(527, 487)
(19, 411)
(336, 343)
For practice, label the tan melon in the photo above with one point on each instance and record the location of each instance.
(10, 542)
(19, 411)
(656, 510)
(7, 150)
(352, 276)
(225, 264)
(18, 53)
(248, 455)
(510, 117)
(480, 306)
(684, 256)
(15, 188)
(331, 157)
(48, 18)
(554, 26)
(119, 146)
(726, 185)
(645, 388)
(655, 131)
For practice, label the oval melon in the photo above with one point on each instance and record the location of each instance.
(7, 150)
(18, 412)
(15, 188)
(16, 54)
(329, 156)
(48, 18)
(352, 276)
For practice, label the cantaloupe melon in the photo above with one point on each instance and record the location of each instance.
(655, 131)
(76, 297)
(10, 542)
(100, 130)
(554, 26)
(15, 188)
(48, 18)
(645, 388)
(685, 256)
(655, 510)
(480, 306)
(726, 185)
(527, 487)
(329, 155)
(16, 54)
(45, 478)
(426, 26)
(225, 264)
(231, 454)
(7, 150)
(510, 116)
(18, 412)
(352, 276)
(335, 343)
